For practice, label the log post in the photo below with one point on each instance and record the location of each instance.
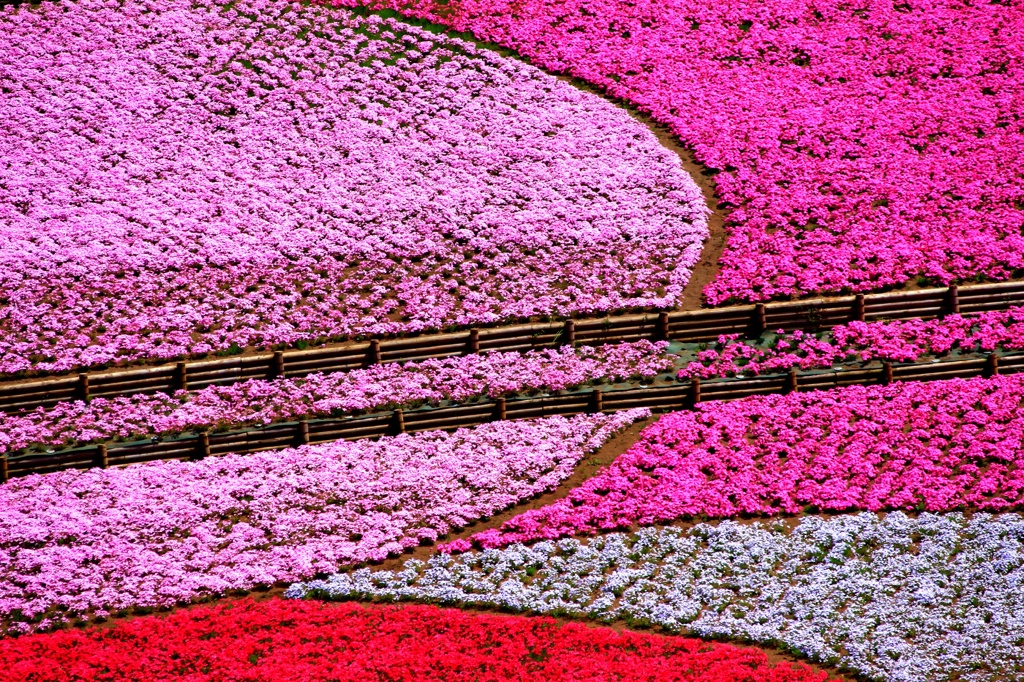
(760, 322)
(598, 400)
(695, 390)
(474, 341)
(791, 382)
(102, 460)
(953, 299)
(500, 409)
(887, 373)
(5, 474)
(373, 353)
(278, 367)
(181, 376)
(662, 327)
(303, 432)
(569, 333)
(399, 421)
(859, 309)
(203, 445)
(992, 365)
(82, 390)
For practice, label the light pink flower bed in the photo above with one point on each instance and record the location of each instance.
(85, 543)
(861, 144)
(933, 446)
(186, 178)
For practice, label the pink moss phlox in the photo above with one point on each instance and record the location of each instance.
(261, 402)
(934, 446)
(186, 178)
(896, 341)
(85, 543)
(861, 144)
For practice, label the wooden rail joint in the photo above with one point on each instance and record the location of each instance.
(373, 356)
(82, 388)
(181, 377)
(202, 446)
(662, 332)
(597, 400)
(569, 333)
(474, 341)
(500, 409)
(953, 300)
(759, 322)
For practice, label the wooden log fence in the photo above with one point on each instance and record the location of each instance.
(697, 326)
(659, 398)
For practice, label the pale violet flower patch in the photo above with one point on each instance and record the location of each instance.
(78, 544)
(894, 598)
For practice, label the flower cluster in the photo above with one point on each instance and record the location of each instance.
(933, 446)
(897, 341)
(77, 544)
(261, 402)
(185, 178)
(893, 599)
(859, 144)
(278, 640)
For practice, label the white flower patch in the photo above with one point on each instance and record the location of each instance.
(893, 598)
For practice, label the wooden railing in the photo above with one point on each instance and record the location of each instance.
(666, 396)
(688, 327)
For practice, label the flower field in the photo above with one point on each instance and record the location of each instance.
(859, 145)
(934, 446)
(497, 374)
(351, 642)
(817, 503)
(896, 598)
(86, 544)
(281, 174)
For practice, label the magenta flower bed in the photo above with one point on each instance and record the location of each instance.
(897, 341)
(934, 446)
(861, 145)
(185, 179)
(258, 402)
(85, 543)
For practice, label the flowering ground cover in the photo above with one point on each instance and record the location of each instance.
(860, 145)
(261, 402)
(379, 387)
(900, 599)
(81, 544)
(935, 446)
(896, 341)
(313, 641)
(187, 178)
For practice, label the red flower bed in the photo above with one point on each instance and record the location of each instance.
(286, 640)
